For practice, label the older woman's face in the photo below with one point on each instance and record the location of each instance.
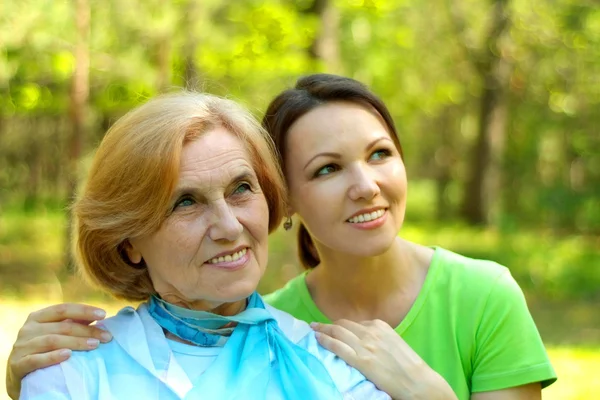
(212, 247)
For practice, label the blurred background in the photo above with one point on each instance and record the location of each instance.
(497, 104)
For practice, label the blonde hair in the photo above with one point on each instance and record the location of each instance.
(134, 173)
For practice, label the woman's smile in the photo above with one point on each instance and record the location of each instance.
(368, 219)
(231, 260)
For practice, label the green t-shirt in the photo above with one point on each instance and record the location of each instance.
(470, 323)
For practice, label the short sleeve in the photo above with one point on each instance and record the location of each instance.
(509, 350)
(45, 384)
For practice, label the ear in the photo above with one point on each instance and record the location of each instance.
(289, 211)
(134, 255)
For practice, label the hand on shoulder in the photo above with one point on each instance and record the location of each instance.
(384, 358)
(47, 338)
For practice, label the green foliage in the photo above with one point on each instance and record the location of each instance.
(422, 58)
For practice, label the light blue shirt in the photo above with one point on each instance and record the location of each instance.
(141, 363)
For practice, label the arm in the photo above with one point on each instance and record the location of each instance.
(384, 358)
(531, 391)
(47, 338)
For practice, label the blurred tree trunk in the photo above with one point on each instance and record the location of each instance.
(164, 63)
(445, 160)
(78, 107)
(326, 45)
(192, 76)
(483, 184)
(33, 160)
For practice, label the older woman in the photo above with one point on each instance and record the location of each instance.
(176, 211)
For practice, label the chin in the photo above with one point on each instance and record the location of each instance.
(239, 290)
(372, 248)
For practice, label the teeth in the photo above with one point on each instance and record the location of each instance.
(366, 217)
(229, 257)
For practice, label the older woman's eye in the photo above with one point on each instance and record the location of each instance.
(185, 202)
(380, 154)
(242, 188)
(326, 170)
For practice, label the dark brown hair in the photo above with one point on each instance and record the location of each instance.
(310, 92)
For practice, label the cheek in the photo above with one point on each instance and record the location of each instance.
(175, 243)
(316, 198)
(255, 218)
(396, 174)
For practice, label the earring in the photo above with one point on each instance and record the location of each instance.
(287, 225)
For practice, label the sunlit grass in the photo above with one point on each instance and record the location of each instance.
(578, 373)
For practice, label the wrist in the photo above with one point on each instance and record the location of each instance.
(438, 389)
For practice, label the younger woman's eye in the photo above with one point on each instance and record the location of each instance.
(380, 154)
(326, 170)
(242, 188)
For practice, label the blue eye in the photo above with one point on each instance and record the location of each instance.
(380, 155)
(185, 202)
(242, 188)
(326, 170)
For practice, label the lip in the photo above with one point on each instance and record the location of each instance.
(232, 265)
(365, 211)
(373, 224)
(228, 252)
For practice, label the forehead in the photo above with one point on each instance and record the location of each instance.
(338, 124)
(215, 154)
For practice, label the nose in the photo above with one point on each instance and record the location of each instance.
(224, 225)
(364, 184)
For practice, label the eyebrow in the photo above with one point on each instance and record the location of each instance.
(193, 189)
(338, 156)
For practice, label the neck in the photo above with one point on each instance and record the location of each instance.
(225, 309)
(215, 307)
(352, 287)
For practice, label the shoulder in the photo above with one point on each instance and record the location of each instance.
(473, 278)
(457, 265)
(73, 378)
(348, 380)
(125, 316)
(294, 329)
(45, 383)
(474, 290)
(289, 292)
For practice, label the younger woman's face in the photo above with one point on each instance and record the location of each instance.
(346, 178)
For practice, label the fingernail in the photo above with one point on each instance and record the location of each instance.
(314, 325)
(64, 353)
(93, 343)
(317, 335)
(105, 337)
(100, 313)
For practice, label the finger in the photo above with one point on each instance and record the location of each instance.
(33, 362)
(357, 328)
(337, 347)
(48, 343)
(337, 332)
(66, 328)
(377, 323)
(73, 311)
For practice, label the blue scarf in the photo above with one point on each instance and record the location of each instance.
(244, 368)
